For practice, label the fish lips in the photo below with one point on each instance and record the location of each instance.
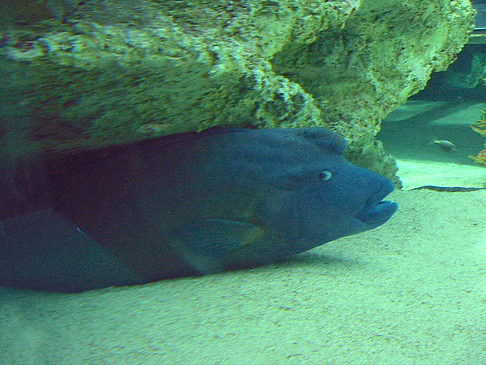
(377, 211)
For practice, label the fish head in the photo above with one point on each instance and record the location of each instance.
(315, 195)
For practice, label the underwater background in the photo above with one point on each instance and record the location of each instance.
(82, 75)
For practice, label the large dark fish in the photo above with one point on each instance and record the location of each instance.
(192, 204)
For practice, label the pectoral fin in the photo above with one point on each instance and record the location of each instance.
(217, 238)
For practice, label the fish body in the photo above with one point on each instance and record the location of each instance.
(444, 145)
(43, 251)
(222, 199)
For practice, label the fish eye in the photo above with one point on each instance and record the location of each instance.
(325, 175)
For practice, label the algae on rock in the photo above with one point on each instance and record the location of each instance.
(120, 71)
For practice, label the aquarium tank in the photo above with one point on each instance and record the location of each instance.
(242, 182)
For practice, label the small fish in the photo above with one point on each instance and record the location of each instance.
(193, 204)
(445, 145)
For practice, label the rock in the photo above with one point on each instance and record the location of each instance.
(118, 71)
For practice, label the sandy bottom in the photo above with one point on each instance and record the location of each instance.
(417, 173)
(410, 292)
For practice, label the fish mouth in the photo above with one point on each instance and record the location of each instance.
(377, 211)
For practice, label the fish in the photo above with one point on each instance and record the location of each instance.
(43, 251)
(445, 145)
(194, 204)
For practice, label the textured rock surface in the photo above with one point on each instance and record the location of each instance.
(119, 71)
